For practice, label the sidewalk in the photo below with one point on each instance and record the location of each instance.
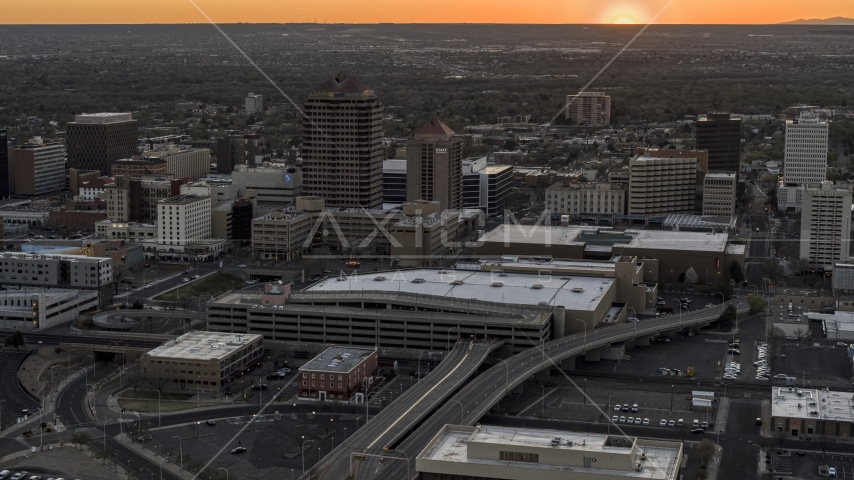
(49, 408)
(164, 462)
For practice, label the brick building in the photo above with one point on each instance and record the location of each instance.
(337, 373)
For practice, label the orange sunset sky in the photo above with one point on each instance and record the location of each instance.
(409, 11)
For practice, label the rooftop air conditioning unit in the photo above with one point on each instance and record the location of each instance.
(537, 286)
(578, 290)
(418, 280)
(457, 282)
(497, 284)
(379, 279)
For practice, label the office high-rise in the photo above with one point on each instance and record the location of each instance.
(805, 157)
(4, 164)
(434, 167)
(95, 140)
(342, 144)
(720, 135)
(825, 225)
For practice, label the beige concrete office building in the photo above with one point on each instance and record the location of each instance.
(586, 198)
(203, 361)
(491, 452)
(661, 186)
(183, 161)
(719, 191)
(183, 219)
(825, 225)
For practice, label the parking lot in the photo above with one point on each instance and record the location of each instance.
(273, 446)
(804, 464)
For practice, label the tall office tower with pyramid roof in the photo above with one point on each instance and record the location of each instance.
(434, 166)
(342, 144)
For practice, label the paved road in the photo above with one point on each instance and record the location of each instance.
(399, 418)
(14, 397)
(481, 394)
(89, 337)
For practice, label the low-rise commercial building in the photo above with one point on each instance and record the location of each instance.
(204, 361)
(41, 308)
(491, 452)
(807, 411)
(666, 254)
(337, 373)
(63, 271)
(280, 184)
(138, 167)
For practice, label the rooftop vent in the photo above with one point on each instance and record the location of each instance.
(341, 279)
(457, 282)
(418, 280)
(556, 441)
(543, 304)
(379, 279)
(537, 286)
(502, 274)
(497, 284)
(578, 290)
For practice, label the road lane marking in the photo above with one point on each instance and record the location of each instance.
(428, 392)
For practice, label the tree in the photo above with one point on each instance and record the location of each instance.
(79, 439)
(691, 277)
(706, 450)
(17, 340)
(735, 271)
(729, 315)
(756, 302)
(723, 287)
(137, 305)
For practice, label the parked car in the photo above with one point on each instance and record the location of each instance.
(662, 423)
(617, 407)
(645, 421)
(734, 351)
(671, 423)
(195, 276)
(185, 280)
(635, 407)
(637, 420)
(758, 421)
(698, 431)
(238, 450)
(211, 423)
(622, 419)
(615, 419)
(841, 344)
(630, 420)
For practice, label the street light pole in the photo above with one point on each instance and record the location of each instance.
(181, 450)
(671, 398)
(585, 331)
(226, 472)
(161, 467)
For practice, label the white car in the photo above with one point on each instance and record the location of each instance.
(185, 280)
(781, 376)
(630, 420)
(638, 420)
(617, 407)
(241, 266)
(762, 379)
(615, 419)
(622, 419)
(646, 421)
(662, 423)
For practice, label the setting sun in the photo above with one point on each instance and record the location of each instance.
(624, 20)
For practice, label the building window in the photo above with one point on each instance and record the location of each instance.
(520, 457)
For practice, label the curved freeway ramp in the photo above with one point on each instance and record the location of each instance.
(482, 393)
(403, 415)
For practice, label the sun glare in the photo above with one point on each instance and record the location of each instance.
(624, 20)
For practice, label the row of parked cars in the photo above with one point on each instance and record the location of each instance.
(762, 368)
(7, 475)
(697, 427)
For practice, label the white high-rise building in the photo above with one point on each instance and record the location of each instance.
(183, 219)
(254, 103)
(804, 161)
(805, 158)
(825, 225)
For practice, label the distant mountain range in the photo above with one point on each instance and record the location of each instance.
(819, 21)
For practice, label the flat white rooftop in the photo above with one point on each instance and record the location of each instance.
(689, 241)
(340, 359)
(536, 234)
(102, 118)
(451, 448)
(794, 402)
(204, 345)
(571, 292)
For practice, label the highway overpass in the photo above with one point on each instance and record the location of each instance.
(481, 394)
